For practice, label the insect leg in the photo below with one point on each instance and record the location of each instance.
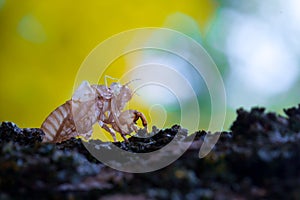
(142, 116)
(111, 131)
(124, 136)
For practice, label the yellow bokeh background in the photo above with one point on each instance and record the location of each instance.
(43, 43)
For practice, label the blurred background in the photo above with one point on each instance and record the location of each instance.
(255, 45)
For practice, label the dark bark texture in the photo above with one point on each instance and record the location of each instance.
(258, 159)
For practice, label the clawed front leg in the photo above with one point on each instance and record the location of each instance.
(129, 119)
(125, 123)
(139, 115)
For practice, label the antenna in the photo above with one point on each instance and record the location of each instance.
(129, 82)
(108, 77)
(135, 93)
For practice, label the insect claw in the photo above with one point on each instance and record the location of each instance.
(143, 118)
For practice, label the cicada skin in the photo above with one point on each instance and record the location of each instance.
(91, 104)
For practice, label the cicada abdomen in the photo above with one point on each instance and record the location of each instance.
(59, 125)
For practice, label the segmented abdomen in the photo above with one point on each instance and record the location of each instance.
(59, 125)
